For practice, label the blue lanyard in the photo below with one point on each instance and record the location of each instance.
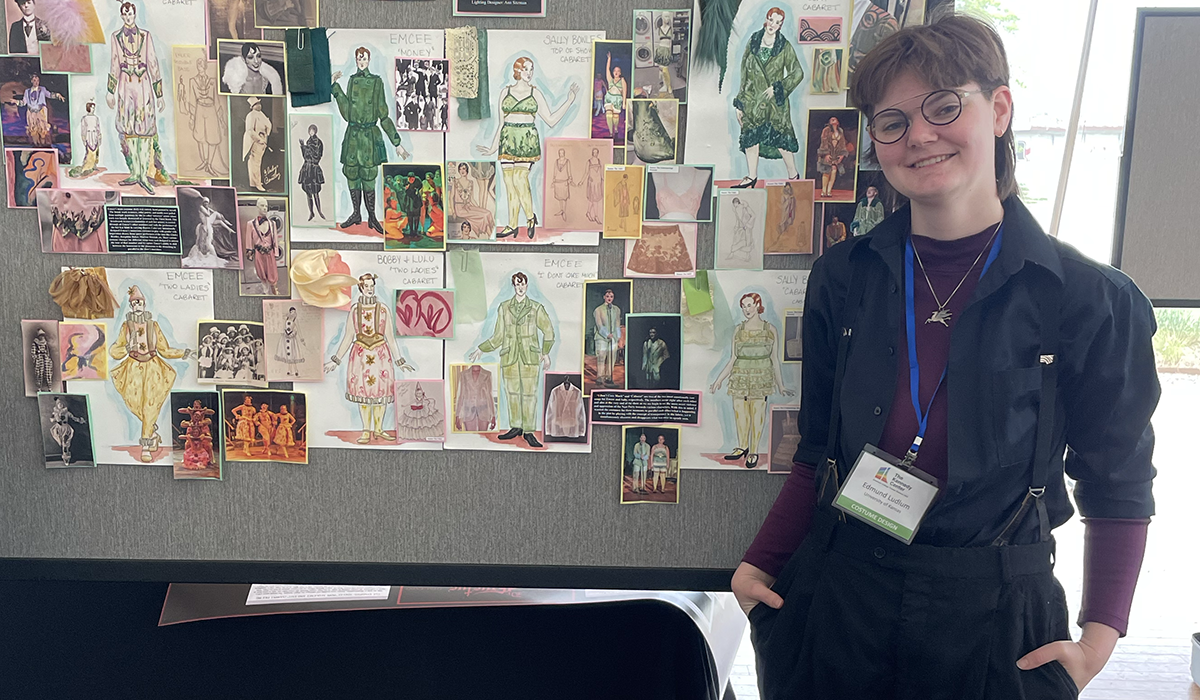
(910, 321)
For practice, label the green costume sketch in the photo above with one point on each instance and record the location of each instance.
(753, 372)
(770, 72)
(523, 357)
(364, 107)
(519, 143)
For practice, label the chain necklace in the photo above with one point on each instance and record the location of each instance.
(941, 315)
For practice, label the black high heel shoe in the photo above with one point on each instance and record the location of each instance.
(532, 225)
(506, 232)
(746, 184)
(751, 461)
(735, 455)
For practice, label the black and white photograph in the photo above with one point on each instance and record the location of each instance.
(231, 353)
(43, 359)
(252, 68)
(422, 94)
(566, 408)
(263, 222)
(208, 227)
(66, 430)
(256, 138)
(652, 351)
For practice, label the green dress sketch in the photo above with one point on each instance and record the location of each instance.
(767, 121)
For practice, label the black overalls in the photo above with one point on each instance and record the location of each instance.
(866, 616)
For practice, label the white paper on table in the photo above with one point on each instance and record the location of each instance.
(273, 593)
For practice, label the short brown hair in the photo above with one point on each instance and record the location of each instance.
(517, 65)
(360, 51)
(950, 52)
(520, 277)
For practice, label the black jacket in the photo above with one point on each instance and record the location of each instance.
(1107, 388)
(16, 35)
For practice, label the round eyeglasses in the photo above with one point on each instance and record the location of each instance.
(939, 108)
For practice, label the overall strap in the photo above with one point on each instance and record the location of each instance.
(1048, 360)
(1049, 306)
(825, 495)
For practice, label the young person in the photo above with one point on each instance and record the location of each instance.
(961, 338)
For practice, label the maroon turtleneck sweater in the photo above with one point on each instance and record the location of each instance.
(1113, 548)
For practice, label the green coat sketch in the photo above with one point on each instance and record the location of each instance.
(364, 107)
(767, 121)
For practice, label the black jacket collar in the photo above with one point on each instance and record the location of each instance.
(1023, 242)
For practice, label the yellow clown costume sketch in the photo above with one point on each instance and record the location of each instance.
(142, 378)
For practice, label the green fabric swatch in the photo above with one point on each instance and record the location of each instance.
(695, 293)
(314, 53)
(470, 298)
(723, 321)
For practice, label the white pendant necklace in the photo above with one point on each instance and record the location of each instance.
(941, 314)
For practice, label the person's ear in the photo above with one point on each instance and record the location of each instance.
(1002, 108)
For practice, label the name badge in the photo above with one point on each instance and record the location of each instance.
(885, 495)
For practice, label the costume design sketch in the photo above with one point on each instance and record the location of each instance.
(371, 360)
(311, 178)
(770, 72)
(523, 336)
(753, 374)
(135, 91)
(741, 219)
(519, 143)
(623, 185)
(739, 368)
(575, 183)
(89, 129)
(143, 378)
(363, 105)
(419, 415)
(202, 130)
(789, 218)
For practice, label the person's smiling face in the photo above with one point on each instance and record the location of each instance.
(933, 163)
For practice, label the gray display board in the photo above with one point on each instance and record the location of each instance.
(1156, 241)
(381, 517)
